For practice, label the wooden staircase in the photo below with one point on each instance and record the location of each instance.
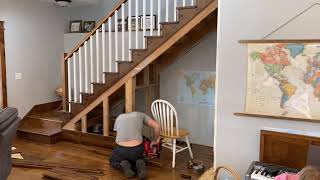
(86, 87)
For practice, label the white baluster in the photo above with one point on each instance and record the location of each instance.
(151, 14)
(175, 10)
(75, 81)
(192, 2)
(110, 44)
(184, 3)
(123, 29)
(104, 61)
(167, 10)
(116, 35)
(129, 27)
(159, 17)
(144, 23)
(137, 25)
(98, 54)
(69, 84)
(81, 72)
(91, 64)
(86, 67)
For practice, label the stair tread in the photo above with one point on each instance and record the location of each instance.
(186, 7)
(172, 22)
(47, 115)
(138, 49)
(39, 126)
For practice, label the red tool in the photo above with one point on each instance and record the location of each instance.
(151, 149)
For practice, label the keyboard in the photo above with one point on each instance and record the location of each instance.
(266, 171)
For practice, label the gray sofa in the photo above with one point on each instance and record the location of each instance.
(9, 122)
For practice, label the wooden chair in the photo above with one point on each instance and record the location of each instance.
(220, 173)
(167, 117)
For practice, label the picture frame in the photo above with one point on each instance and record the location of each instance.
(133, 23)
(75, 26)
(125, 24)
(88, 26)
(148, 22)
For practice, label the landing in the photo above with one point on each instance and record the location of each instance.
(67, 153)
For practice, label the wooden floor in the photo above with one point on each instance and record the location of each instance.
(94, 157)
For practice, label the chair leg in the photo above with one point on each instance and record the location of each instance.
(174, 153)
(189, 147)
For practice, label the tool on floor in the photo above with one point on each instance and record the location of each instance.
(152, 150)
(196, 166)
(184, 176)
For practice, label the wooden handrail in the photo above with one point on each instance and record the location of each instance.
(86, 38)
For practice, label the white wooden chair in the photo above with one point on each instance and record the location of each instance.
(167, 117)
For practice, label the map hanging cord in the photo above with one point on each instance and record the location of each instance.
(290, 20)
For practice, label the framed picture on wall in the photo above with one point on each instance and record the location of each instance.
(120, 24)
(133, 23)
(88, 26)
(76, 26)
(148, 22)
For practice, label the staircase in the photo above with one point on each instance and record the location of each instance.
(110, 57)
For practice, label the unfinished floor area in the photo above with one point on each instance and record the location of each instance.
(68, 154)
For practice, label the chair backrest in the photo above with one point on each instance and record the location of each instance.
(167, 117)
(225, 173)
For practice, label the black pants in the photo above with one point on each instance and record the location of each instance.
(131, 154)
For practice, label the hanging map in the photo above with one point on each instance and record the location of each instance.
(284, 80)
(196, 87)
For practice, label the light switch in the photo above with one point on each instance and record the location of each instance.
(18, 76)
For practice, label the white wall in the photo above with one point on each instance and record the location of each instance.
(237, 138)
(196, 118)
(34, 47)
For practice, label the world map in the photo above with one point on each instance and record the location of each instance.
(196, 87)
(284, 80)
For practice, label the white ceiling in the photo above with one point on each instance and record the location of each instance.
(76, 3)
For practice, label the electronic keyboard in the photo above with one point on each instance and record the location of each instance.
(266, 171)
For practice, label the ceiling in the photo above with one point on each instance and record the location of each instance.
(76, 3)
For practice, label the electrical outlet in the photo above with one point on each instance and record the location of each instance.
(18, 76)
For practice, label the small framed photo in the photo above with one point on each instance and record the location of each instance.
(88, 26)
(148, 22)
(120, 24)
(133, 23)
(76, 26)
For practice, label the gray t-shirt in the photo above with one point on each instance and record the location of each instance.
(129, 126)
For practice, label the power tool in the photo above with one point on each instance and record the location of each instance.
(152, 150)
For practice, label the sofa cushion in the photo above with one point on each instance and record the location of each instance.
(7, 116)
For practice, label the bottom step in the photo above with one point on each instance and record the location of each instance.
(40, 130)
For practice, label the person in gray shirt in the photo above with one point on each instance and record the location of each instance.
(128, 155)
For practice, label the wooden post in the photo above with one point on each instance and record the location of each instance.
(146, 80)
(84, 124)
(3, 72)
(106, 117)
(64, 72)
(130, 94)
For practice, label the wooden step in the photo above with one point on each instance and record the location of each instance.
(41, 130)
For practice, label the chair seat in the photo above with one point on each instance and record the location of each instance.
(182, 133)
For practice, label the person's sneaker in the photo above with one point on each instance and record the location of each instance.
(141, 168)
(126, 168)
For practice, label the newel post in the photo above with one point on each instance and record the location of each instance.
(64, 71)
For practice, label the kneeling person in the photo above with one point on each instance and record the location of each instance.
(128, 155)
